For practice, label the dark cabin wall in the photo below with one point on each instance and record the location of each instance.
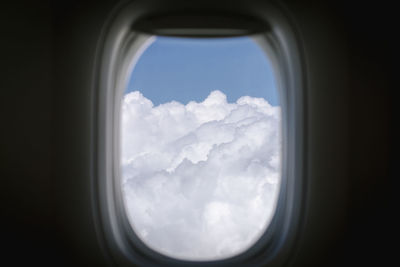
(46, 59)
(78, 26)
(373, 146)
(26, 148)
(366, 31)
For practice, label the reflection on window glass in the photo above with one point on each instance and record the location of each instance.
(201, 146)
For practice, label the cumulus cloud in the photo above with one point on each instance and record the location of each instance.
(200, 181)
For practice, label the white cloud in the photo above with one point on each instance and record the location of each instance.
(200, 181)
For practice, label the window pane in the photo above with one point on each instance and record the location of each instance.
(201, 146)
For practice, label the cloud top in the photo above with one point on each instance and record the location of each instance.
(200, 181)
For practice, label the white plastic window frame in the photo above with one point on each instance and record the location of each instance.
(118, 49)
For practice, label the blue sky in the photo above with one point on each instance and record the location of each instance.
(186, 69)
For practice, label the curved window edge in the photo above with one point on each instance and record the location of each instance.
(118, 48)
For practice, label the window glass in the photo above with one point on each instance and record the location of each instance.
(201, 146)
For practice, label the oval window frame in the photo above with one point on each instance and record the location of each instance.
(118, 49)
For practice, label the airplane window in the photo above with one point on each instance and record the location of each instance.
(201, 146)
